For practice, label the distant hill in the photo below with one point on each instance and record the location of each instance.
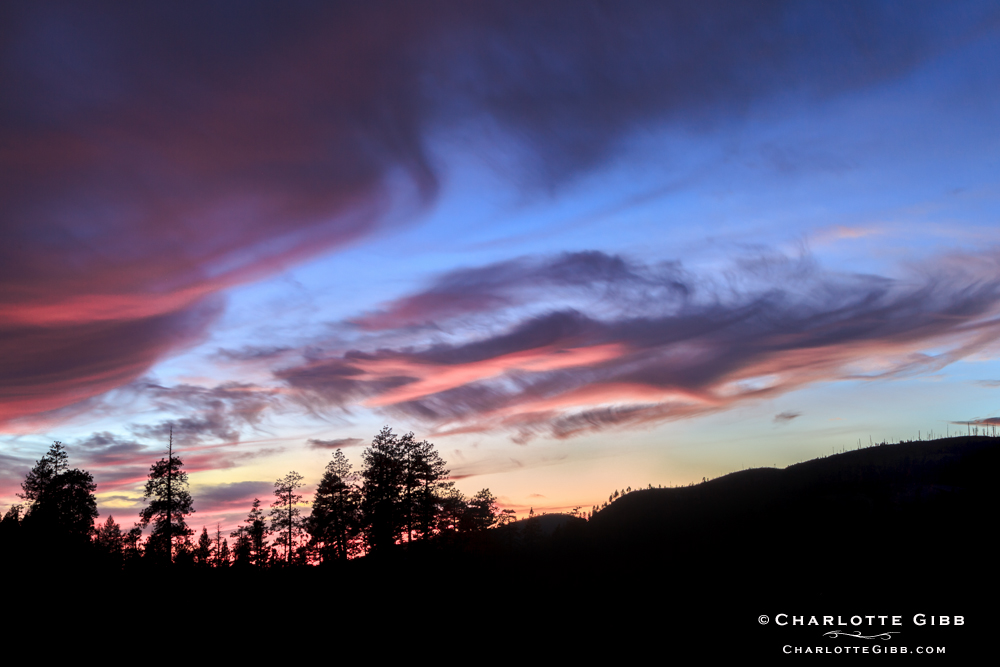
(546, 525)
(895, 482)
(914, 520)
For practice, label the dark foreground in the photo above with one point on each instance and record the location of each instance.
(890, 531)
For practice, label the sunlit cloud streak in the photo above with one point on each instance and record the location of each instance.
(152, 157)
(769, 327)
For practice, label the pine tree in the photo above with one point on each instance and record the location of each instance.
(217, 562)
(110, 540)
(171, 502)
(286, 516)
(403, 489)
(334, 523)
(62, 499)
(203, 554)
(251, 540)
(242, 550)
(132, 544)
(383, 476)
(482, 512)
(425, 483)
(452, 510)
(223, 558)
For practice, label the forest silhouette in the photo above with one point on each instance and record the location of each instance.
(909, 522)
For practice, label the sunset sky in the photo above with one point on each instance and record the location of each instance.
(579, 246)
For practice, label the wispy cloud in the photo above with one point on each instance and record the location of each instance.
(217, 413)
(785, 417)
(336, 443)
(563, 372)
(141, 181)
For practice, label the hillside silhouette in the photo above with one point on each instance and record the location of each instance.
(912, 519)
(907, 522)
(897, 529)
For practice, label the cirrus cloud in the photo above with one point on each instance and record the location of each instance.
(154, 156)
(561, 372)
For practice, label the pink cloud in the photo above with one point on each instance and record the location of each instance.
(563, 373)
(142, 179)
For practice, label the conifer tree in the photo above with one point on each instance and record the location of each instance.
(203, 554)
(251, 540)
(403, 488)
(223, 557)
(217, 562)
(110, 539)
(452, 510)
(286, 516)
(383, 478)
(167, 486)
(482, 512)
(334, 523)
(426, 482)
(242, 550)
(62, 499)
(132, 544)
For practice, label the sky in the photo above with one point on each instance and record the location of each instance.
(578, 246)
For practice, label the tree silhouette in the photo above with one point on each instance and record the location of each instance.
(111, 541)
(203, 554)
(335, 519)
(62, 499)
(426, 482)
(453, 509)
(403, 489)
(506, 516)
(222, 556)
(481, 512)
(286, 516)
(132, 546)
(171, 502)
(251, 539)
(242, 550)
(383, 476)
